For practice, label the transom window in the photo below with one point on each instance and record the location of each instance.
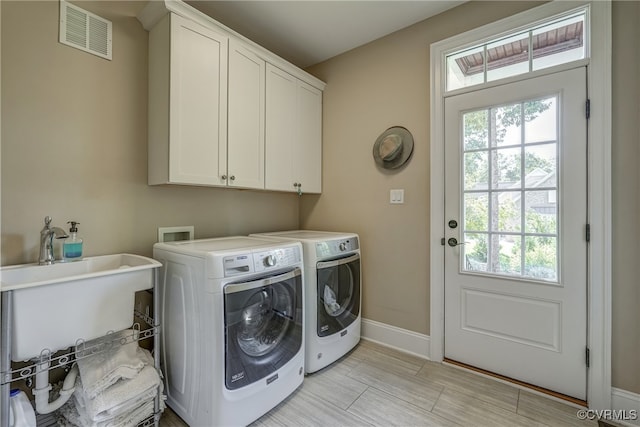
(559, 41)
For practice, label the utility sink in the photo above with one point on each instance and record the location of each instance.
(55, 306)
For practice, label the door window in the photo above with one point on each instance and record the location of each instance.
(509, 200)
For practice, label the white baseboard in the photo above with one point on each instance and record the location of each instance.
(622, 400)
(398, 338)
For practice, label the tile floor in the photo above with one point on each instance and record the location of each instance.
(378, 386)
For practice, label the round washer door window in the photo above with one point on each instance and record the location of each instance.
(338, 294)
(264, 320)
(337, 290)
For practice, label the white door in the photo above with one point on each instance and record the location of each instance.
(515, 212)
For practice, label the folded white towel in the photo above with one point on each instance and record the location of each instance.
(69, 416)
(101, 370)
(137, 415)
(122, 396)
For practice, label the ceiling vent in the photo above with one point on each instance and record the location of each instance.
(84, 30)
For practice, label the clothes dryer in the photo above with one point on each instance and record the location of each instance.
(333, 293)
(232, 342)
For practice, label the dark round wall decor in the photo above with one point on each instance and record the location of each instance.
(393, 148)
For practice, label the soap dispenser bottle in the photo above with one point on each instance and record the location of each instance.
(72, 247)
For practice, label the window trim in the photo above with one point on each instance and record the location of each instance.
(505, 34)
(599, 194)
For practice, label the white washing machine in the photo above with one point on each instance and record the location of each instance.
(232, 327)
(333, 293)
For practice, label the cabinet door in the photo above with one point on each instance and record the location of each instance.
(307, 149)
(281, 96)
(245, 148)
(198, 104)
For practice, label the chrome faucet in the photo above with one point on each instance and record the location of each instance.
(46, 241)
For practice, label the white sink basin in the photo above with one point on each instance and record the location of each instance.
(53, 306)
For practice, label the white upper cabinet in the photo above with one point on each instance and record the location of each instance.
(307, 150)
(187, 103)
(293, 134)
(224, 111)
(246, 118)
(280, 133)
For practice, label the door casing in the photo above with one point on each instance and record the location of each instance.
(599, 194)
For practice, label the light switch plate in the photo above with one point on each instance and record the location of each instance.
(396, 197)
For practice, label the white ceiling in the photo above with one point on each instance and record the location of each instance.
(306, 32)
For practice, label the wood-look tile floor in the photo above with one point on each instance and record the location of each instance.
(377, 386)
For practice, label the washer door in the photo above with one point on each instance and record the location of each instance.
(263, 327)
(338, 294)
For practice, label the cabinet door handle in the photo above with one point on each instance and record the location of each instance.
(232, 177)
(224, 177)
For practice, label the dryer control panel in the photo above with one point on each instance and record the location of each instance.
(336, 247)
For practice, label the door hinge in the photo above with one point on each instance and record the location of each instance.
(586, 356)
(442, 241)
(587, 232)
(587, 108)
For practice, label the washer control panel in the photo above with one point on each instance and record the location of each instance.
(336, 247)
(237, 264)
(261, 260)
(276, 258)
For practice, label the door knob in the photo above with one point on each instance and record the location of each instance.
(453, 242)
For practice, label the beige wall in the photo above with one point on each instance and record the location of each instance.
(74, 144)
(386, 83)
(369, 89)
(626, 195)
(74, 147)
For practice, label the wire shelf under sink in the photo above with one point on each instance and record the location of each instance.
(82, 350)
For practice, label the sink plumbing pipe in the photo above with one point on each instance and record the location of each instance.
(43, 387)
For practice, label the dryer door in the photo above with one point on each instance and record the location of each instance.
(338, 294)
(263, 327)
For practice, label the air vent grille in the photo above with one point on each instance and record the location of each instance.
(84, 30)
(100, 40)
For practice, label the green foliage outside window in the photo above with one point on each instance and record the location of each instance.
(488, 166)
